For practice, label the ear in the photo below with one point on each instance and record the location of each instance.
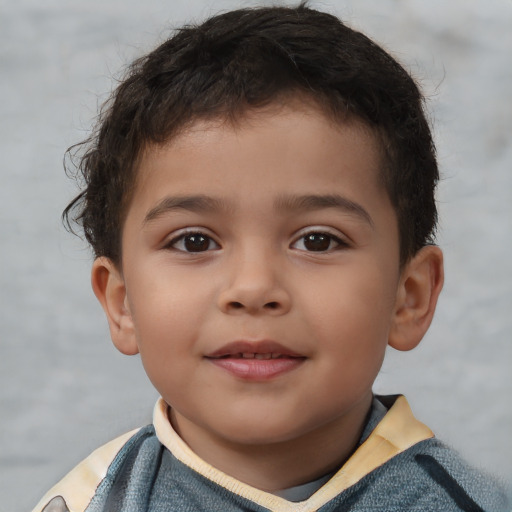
(420, 284)
(109, 287)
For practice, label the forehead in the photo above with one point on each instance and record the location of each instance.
(267, 156)
(312, 132)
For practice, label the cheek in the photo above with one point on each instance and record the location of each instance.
(351, 315)
(163, 296)
(352, 297)
(165, 336)
(166, 319)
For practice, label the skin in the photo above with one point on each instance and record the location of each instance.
(336, 299)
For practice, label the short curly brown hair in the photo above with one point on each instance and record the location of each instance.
(246, 59)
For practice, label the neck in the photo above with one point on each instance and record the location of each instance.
(279, 465)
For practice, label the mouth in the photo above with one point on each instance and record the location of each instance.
(262, 350)
(256, 361)
(253, 355)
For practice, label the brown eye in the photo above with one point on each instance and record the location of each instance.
(317, 242)
(194, 242)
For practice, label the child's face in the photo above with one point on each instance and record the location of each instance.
(274, 238)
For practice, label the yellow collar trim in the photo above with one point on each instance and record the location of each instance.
(398, 431)
(79, 485)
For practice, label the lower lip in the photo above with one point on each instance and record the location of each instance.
(258, 369)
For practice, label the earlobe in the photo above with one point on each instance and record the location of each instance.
(109, 287)
(419, 288)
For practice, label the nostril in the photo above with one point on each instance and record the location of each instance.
(236, 305)
(272, 305)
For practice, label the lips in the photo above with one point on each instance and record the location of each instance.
(256, 361)
(256, 355)
(249, 349)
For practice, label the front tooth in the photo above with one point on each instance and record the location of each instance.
(248, 355)
(262, 356)
(276, 356)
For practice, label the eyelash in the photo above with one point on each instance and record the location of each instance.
(325, 237)
(204, 242)
(182, 237)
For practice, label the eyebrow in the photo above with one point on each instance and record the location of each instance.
(198, 203)
(207, 204)
(319, 202)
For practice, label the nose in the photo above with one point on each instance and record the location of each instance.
(255, 286)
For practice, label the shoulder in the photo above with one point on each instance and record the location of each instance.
(433, 475)
(76, 490)
(416, 471)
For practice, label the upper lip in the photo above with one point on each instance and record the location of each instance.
(240, 347)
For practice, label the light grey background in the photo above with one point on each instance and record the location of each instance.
(64, 390)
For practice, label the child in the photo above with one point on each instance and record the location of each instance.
(260, 201)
